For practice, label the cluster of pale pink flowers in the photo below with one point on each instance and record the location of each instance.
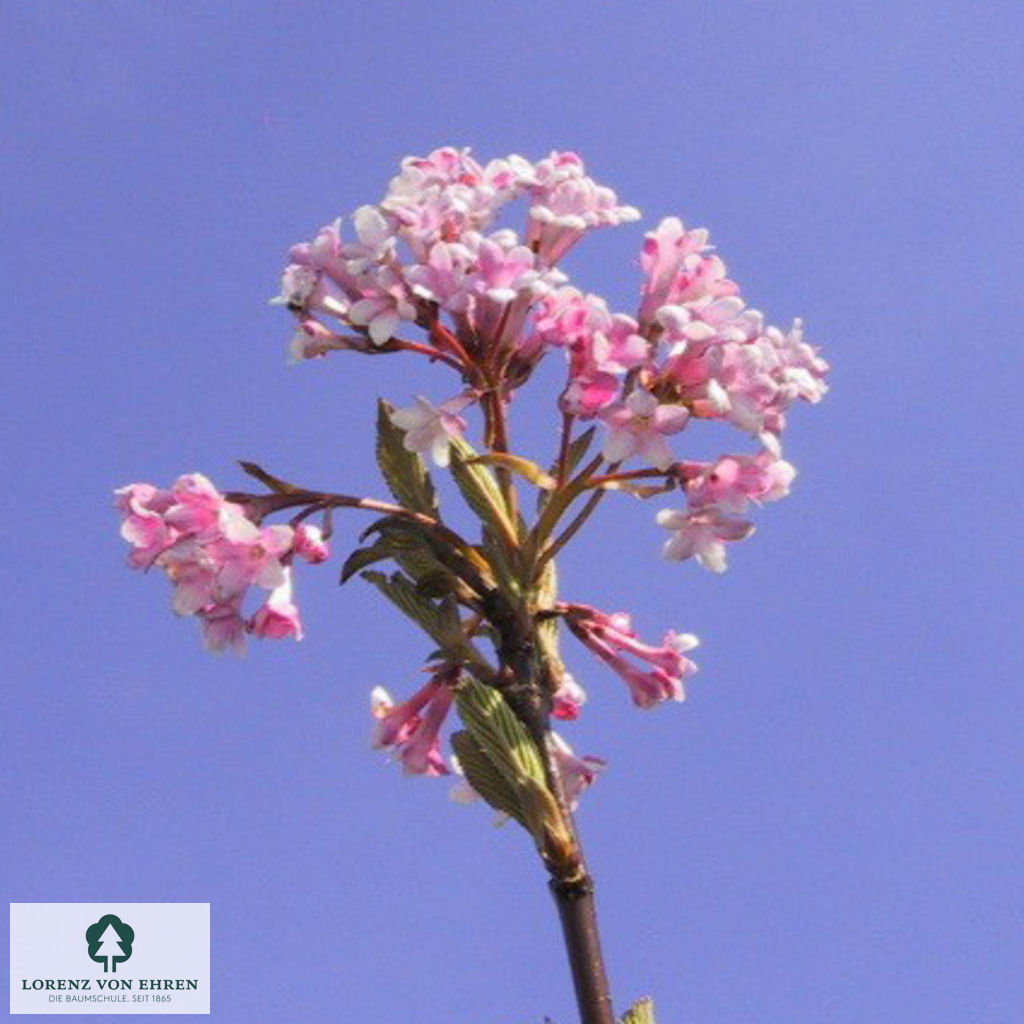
(426, 271)
(213, 554)
(422, 260)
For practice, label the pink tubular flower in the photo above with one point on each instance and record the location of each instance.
(575, 773)
(600, 345)
(639, 425)
(757, 372)
(567, 203)
(611, 637)
(702, 533)
(679, 268)
(412, 729)
(430, 428)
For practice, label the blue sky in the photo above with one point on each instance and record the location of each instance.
(829, 829)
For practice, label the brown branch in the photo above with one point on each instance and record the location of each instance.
(578, 914)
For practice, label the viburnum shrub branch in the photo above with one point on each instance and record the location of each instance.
(420, 274)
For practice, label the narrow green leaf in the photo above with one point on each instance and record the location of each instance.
(485, 778)
(481, 491)
(404, 472)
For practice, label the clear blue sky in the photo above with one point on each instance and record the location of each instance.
(829, 831)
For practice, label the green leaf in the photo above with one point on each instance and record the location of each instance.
(641, 1012)
(424, 552)
(439, 621)
(481, 491)
(362, 557)
(404, 472)
(499, 734)
(578, 448)
(410, 541)
(517, 464)
(485, 778)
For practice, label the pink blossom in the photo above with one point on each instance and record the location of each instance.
(143, 525)
(596, 338)
(412, 729)
(611, 637)
(505, 268)
(679, 268)
(441, 196)
(566, 203)
(310, 544)
(734, 481)
(317, 279)
(311, 340)
(587, 394)
(305, 289)
(575, 773)
(421, 753)
(199, 507)
(442, 276)
(386, 302)
(568, 700)
(278, 617)
(639, 426)
(430, 428)
(376, 240)
(702, 533)
(249, 555)
(600, 346)
(213, 553)
(760, 377)
(395, 722)
(223, 626)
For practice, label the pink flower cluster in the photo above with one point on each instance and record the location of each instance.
(428, 253)
(213, 553)
(424, 248)
(611, 638)
(717, 495)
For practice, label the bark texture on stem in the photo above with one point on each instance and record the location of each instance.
(575, 902)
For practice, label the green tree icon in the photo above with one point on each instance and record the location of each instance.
(110, 941)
